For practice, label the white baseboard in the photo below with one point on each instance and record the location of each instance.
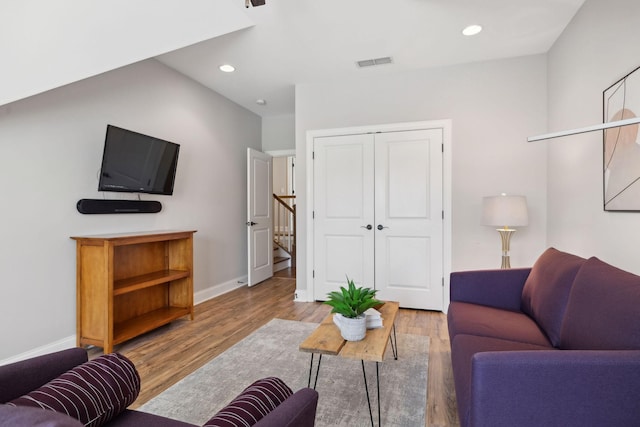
(301, 295)
(62, 344)
(68, 342)
(282, 265)
(217, 290)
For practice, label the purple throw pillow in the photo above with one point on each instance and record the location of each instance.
(253, 404)
(546, 291)
(93, 392)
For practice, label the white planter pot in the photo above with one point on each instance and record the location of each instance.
(351, 329)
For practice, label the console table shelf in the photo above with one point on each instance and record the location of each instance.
(131, 284)
(139, 325)
(128, 284)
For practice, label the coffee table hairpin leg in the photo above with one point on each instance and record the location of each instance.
(394, 343)
(366, 389)
(317, 370)
(393, 339)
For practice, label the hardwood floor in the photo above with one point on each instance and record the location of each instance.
(169, 353)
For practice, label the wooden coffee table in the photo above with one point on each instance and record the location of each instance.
(326, 339)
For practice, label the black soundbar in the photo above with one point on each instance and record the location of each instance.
(102, 206)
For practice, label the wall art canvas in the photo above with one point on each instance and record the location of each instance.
(621, 145)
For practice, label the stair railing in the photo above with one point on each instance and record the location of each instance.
(284, 223)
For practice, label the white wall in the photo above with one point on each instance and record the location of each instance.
(494, 106)
(278, 132)
(50, 152)
(599, 47)
(280, 174)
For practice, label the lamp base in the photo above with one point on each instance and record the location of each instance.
(505, 262)
(505, 236)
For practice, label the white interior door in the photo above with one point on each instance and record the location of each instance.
(408, 214)
(343, 212)
(259, 213)
(392, 182)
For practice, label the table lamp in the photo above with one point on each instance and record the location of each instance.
(505, 211)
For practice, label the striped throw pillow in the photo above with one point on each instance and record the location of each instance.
(93, 392)
(253, 404)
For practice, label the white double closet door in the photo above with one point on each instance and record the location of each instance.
(378, 215)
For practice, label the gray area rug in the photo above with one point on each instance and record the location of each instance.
(272, 350)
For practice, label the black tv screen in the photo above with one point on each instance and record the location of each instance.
(137, 163)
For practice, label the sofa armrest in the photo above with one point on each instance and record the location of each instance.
(494, 288)
(17, 416)
(561, 388)
(299, 410)
(19, 378)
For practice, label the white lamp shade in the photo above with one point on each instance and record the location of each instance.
(505, 211)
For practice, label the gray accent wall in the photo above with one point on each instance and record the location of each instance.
(50, 153)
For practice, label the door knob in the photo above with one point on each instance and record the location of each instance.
(368, 226)
(380, 227)
(250, 223)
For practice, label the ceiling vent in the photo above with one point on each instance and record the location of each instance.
(372, 62)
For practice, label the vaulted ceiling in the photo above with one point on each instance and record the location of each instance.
(273, 47)
(47, 44)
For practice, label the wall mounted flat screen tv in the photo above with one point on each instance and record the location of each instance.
(137, 163)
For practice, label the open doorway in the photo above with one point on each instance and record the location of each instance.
(284, 216)
(283, 178)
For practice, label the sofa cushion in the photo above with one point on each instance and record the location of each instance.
(463, 348)
(604, 309)
(299, 410)
(255, 402)
(130, 418)
(21, 377)
(480, 320)
(546, 291)
(15, 416)
(93, 392)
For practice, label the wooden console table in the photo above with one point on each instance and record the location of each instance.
(128, 284)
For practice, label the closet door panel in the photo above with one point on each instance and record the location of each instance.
(408, 214)
(343, 207)
(406, 177)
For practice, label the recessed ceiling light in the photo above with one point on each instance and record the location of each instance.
(261, 101)
(227, 68)
(472, 30)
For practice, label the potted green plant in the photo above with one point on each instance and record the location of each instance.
(349, 306)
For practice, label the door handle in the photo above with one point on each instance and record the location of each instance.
(368, 226)
(250, 223)
(380, 227)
